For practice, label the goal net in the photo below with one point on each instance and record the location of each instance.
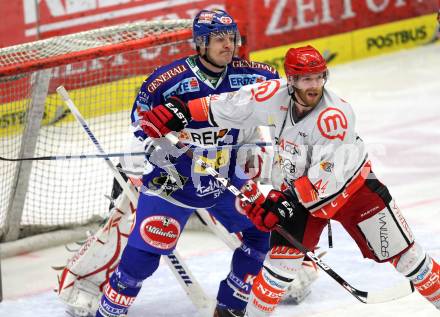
(102, 70)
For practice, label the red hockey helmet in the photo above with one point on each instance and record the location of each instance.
(304, 60)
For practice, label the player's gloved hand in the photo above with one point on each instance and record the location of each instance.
(173, 115)
(278, 208)
(251, 191)
(265, 213)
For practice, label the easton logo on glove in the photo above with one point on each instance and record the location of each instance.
(278, 209)
(172, 116)
(275, 209)
(287, 207)
(178, 109)
(265, 213)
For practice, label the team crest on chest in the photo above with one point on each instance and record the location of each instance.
(333, 124)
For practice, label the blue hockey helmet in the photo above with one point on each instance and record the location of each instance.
(207, 22)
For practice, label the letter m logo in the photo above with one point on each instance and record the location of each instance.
(332, 124)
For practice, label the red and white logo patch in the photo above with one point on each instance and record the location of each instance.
(160, 231)
(206, 17)
(333, 124)
(194, 83)
(266, 90)
(226, 20)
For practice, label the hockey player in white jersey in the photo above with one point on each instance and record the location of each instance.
(325, 175)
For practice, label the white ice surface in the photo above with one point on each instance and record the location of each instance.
(396, 99)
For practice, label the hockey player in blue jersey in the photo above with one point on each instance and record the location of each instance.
(173, 196)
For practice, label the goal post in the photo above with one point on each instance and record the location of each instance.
(103, 70)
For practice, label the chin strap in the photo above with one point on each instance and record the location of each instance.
(291, 91)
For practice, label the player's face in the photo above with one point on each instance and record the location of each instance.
(221, 47)
(309, 88)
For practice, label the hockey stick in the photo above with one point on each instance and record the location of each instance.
(386, 295)
(120, 154)
(188, 282)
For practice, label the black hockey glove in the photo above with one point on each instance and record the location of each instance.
(276, 209)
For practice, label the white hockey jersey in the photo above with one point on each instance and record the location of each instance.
(321, 155)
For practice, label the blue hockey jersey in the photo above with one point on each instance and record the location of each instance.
(185, 78)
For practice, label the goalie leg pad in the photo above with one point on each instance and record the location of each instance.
(301, 285)
(422, 271)
(126, 282)
(82, 281)
(247, 261)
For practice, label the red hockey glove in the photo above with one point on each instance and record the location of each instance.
(172, 116)
(251, 191)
